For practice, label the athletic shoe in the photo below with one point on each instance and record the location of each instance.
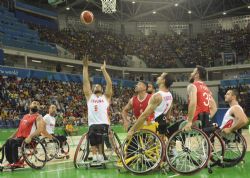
(100, 158)
(95, 158)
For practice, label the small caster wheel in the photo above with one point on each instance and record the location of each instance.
(67, 157)
(210, 171)
(119, 170)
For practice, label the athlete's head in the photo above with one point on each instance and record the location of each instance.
(141, 86)
(231, 95)
(151, 88)
(97, 89)
(34, 106)
(165, 79)
(199, 73)
(52, 110)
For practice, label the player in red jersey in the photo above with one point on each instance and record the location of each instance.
(30, 126)
(138, 104)
(201, 104)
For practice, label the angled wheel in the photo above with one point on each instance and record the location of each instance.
(218, 149)
(114, 152)
(34, 154)
(51, 146)
(82, 151)
(143, 152)
(188, 152)
(235, 148)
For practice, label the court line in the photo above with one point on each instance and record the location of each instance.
(174, 175)
(56, 170)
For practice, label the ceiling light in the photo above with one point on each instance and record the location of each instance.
(69, 65)
(133, 2)
(154, 74)
(126, 73)
(224, 13)
(176, 4)
(67, 8)
(154, 12)
(99, 70)
(248, 7)
(190, 12)
(36, 61)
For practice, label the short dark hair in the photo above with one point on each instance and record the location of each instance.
(202, 72)
(145, 83)
(151, 83)
(168, 80)
(235, 93)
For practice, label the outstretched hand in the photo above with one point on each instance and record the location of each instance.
(103, 67)
(85, 60)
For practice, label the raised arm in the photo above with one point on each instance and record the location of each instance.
(109, 90)
(86, 84)
(192, 96)
(154, 101)
(125, 111)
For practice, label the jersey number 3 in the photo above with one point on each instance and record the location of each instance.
(207, 97)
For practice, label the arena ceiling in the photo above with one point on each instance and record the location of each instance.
(161, 10)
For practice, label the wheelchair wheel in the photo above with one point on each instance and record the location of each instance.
(188, 152)
(115, 144)
(218, 149)
(143, 152)
(235, 148)
(82, 151)
(34, 154)
(51, 147)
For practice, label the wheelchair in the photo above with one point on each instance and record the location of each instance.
(184, 152)
(33, 154)
(52, 147)
(227, 149)
(111, 151)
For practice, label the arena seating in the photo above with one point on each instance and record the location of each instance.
(16, 34)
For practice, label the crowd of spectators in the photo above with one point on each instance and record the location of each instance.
(16, 95)
(158, 51)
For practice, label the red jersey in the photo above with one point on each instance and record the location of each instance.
(26, 124)
(203, 97)
(140, 106)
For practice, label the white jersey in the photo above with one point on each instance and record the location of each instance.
(228, 119)
(50, 123)
(98, 110)
(165, 105)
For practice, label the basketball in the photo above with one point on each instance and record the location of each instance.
(87, 17)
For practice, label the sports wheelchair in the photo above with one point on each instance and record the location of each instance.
(185, 152)
(111, 151)
(33, 154)
(227, 149)
(53, 147)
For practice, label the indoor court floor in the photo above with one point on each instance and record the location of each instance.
(66, 169)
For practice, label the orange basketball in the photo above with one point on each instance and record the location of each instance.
(87, 17)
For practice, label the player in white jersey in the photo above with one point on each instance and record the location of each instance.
(235, 118)
(159, 104)
(50, 121)
(98, 105)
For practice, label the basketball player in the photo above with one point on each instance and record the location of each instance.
(201, 103)
(50, 121)
(151, 88)
(98, 104)
(235, 118)
(159, 105)
(137, 104)
(30, 126)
